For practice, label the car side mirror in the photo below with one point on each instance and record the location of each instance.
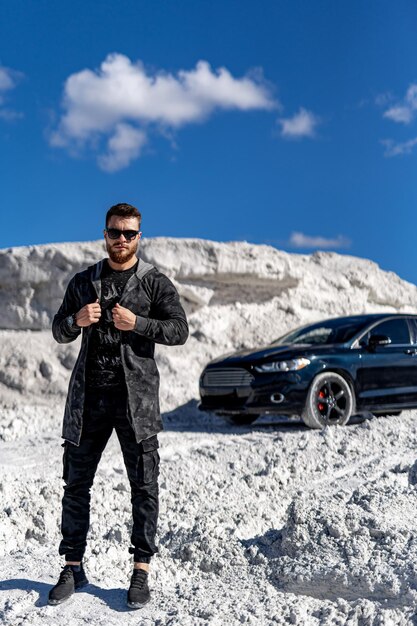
(378, 340)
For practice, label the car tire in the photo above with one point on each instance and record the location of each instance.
(330, 401)
(241, 420)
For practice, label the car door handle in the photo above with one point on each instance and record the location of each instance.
(411, 351)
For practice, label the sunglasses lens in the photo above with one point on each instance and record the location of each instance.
(115, 233)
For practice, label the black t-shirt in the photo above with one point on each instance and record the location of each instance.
(104, 367)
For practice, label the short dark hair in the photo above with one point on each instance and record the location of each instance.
(123, 210)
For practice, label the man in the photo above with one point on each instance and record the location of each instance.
(122, 306)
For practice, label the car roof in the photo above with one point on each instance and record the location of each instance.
(365, 317)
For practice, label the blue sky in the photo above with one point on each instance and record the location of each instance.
(288, 123)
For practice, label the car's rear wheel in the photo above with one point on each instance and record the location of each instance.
(241, 420)
(330, 401)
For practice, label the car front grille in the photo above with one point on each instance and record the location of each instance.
(227, 377)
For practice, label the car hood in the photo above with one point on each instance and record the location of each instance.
(285, 351)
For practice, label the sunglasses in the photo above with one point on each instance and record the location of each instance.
(115, 233)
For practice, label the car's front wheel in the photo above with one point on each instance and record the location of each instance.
(241, 420)
(330, 401)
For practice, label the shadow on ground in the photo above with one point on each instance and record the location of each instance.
(114, 598)
(188, 417)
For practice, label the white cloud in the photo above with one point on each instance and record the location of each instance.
(383, 99)
(302, 124)
(400, 114)
(405, 111)
(97, 102)
(9, 115)
(8, 81)
(299, 240)
(124, 146)
(393, 148)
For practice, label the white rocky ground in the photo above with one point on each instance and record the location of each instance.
(272, 524)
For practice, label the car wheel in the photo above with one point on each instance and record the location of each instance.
(329, 401)
(241, 420)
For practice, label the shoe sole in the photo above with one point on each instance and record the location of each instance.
(79, 585)
(137, 605)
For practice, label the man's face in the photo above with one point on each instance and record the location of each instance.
(120, 250)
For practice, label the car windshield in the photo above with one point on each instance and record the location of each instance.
(329, 331)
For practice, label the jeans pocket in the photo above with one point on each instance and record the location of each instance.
(148, 467)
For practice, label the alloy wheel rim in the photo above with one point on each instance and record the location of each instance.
(331, 401)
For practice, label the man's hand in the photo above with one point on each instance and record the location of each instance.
(89, 314)
(123, 318)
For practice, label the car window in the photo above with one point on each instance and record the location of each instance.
(396, 330)
(328, 332)
(413, 324)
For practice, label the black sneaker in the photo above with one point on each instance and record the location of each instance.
(71, 578)
(138, 594)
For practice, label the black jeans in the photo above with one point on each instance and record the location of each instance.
(104, 411)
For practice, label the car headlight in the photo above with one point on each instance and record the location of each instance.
(283, 366)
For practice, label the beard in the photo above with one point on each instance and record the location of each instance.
(123, 255)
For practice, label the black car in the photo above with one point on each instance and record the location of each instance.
(323, 372)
